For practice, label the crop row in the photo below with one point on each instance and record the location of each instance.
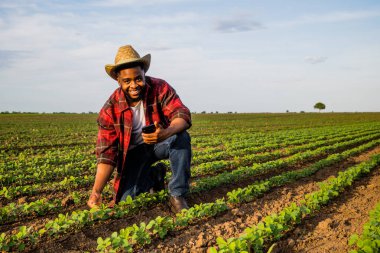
(65, 155)
(11, 211)
(274, 226)
(68, 183)
(202, 183)
(245, 139)
(253, 141)
(41, 167)
(142, 234)
(242, 159)
(48, 172)
(239, 136)
(12, 150)
(44, 173)
(29, 236)
(244, 142)
(40, 207)
(298, 140)
(38, 130)
(256, 146)
(50, 156)
(40, 170)
(240, 173)
(78, 219)
(29, 160)
(245, 159)
(369, 240)
(38, 156)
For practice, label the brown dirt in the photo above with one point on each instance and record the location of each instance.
(331, 228)
(221, 191)
(36, 220)
(198, 237)
(85, 240)
(201, 236)
(195, 198)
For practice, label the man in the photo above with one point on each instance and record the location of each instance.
(140, 101)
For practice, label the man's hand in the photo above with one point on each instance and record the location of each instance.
(95, 200)
(103, 173)
(159, 135)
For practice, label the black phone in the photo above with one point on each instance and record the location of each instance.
(149, 129)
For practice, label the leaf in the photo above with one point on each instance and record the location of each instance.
(212, 250)
(221, 241)
(272, 247)
(150, 224)
(367, 249)
(353, 239)
(21, 247)
(42, 231)
(129, 200)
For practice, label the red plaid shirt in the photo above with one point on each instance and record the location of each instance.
(161, 104)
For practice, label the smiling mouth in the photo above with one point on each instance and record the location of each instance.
(134, 92)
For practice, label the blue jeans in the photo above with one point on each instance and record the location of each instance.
(137, 176)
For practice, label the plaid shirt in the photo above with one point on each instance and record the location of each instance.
(161, 104)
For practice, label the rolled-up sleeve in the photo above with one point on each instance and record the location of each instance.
(172, 105)
(108, 141)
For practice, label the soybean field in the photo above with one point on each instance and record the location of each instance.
(277, 182)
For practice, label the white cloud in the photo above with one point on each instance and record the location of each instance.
(332, 17)
(315, 59)
(18, 4)
(340, 16)
(115, 3)
(237, 25)
(238, 21)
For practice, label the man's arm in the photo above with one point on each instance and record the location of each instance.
(172, 106)
(177, 113)
(176, 126)
(103, 173)
(106, 152)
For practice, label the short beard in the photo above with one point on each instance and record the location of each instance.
(131, 100)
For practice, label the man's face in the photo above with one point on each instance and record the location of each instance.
(132, 82)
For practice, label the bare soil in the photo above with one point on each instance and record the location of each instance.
(328, 231)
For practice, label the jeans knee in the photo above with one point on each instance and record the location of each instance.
(183, 138)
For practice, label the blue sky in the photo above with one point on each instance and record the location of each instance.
(245, 56)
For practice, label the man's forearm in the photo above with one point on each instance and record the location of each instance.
(103, 173)
(176, 126)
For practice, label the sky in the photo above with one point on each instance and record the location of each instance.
(239, 56)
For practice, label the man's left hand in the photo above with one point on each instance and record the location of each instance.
(159, 135)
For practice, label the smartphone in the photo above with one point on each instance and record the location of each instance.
(149, 129)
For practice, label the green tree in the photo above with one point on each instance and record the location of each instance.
(320, 106)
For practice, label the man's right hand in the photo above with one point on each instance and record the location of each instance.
(103, 173)
(95, 200)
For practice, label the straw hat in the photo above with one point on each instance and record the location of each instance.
(124, 56)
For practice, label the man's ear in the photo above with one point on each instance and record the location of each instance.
(118, 79)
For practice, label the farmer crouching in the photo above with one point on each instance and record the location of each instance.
(141, 101)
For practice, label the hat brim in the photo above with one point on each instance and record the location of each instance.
(110, 68)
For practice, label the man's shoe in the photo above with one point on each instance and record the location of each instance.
(158, 177)
(177, 204)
